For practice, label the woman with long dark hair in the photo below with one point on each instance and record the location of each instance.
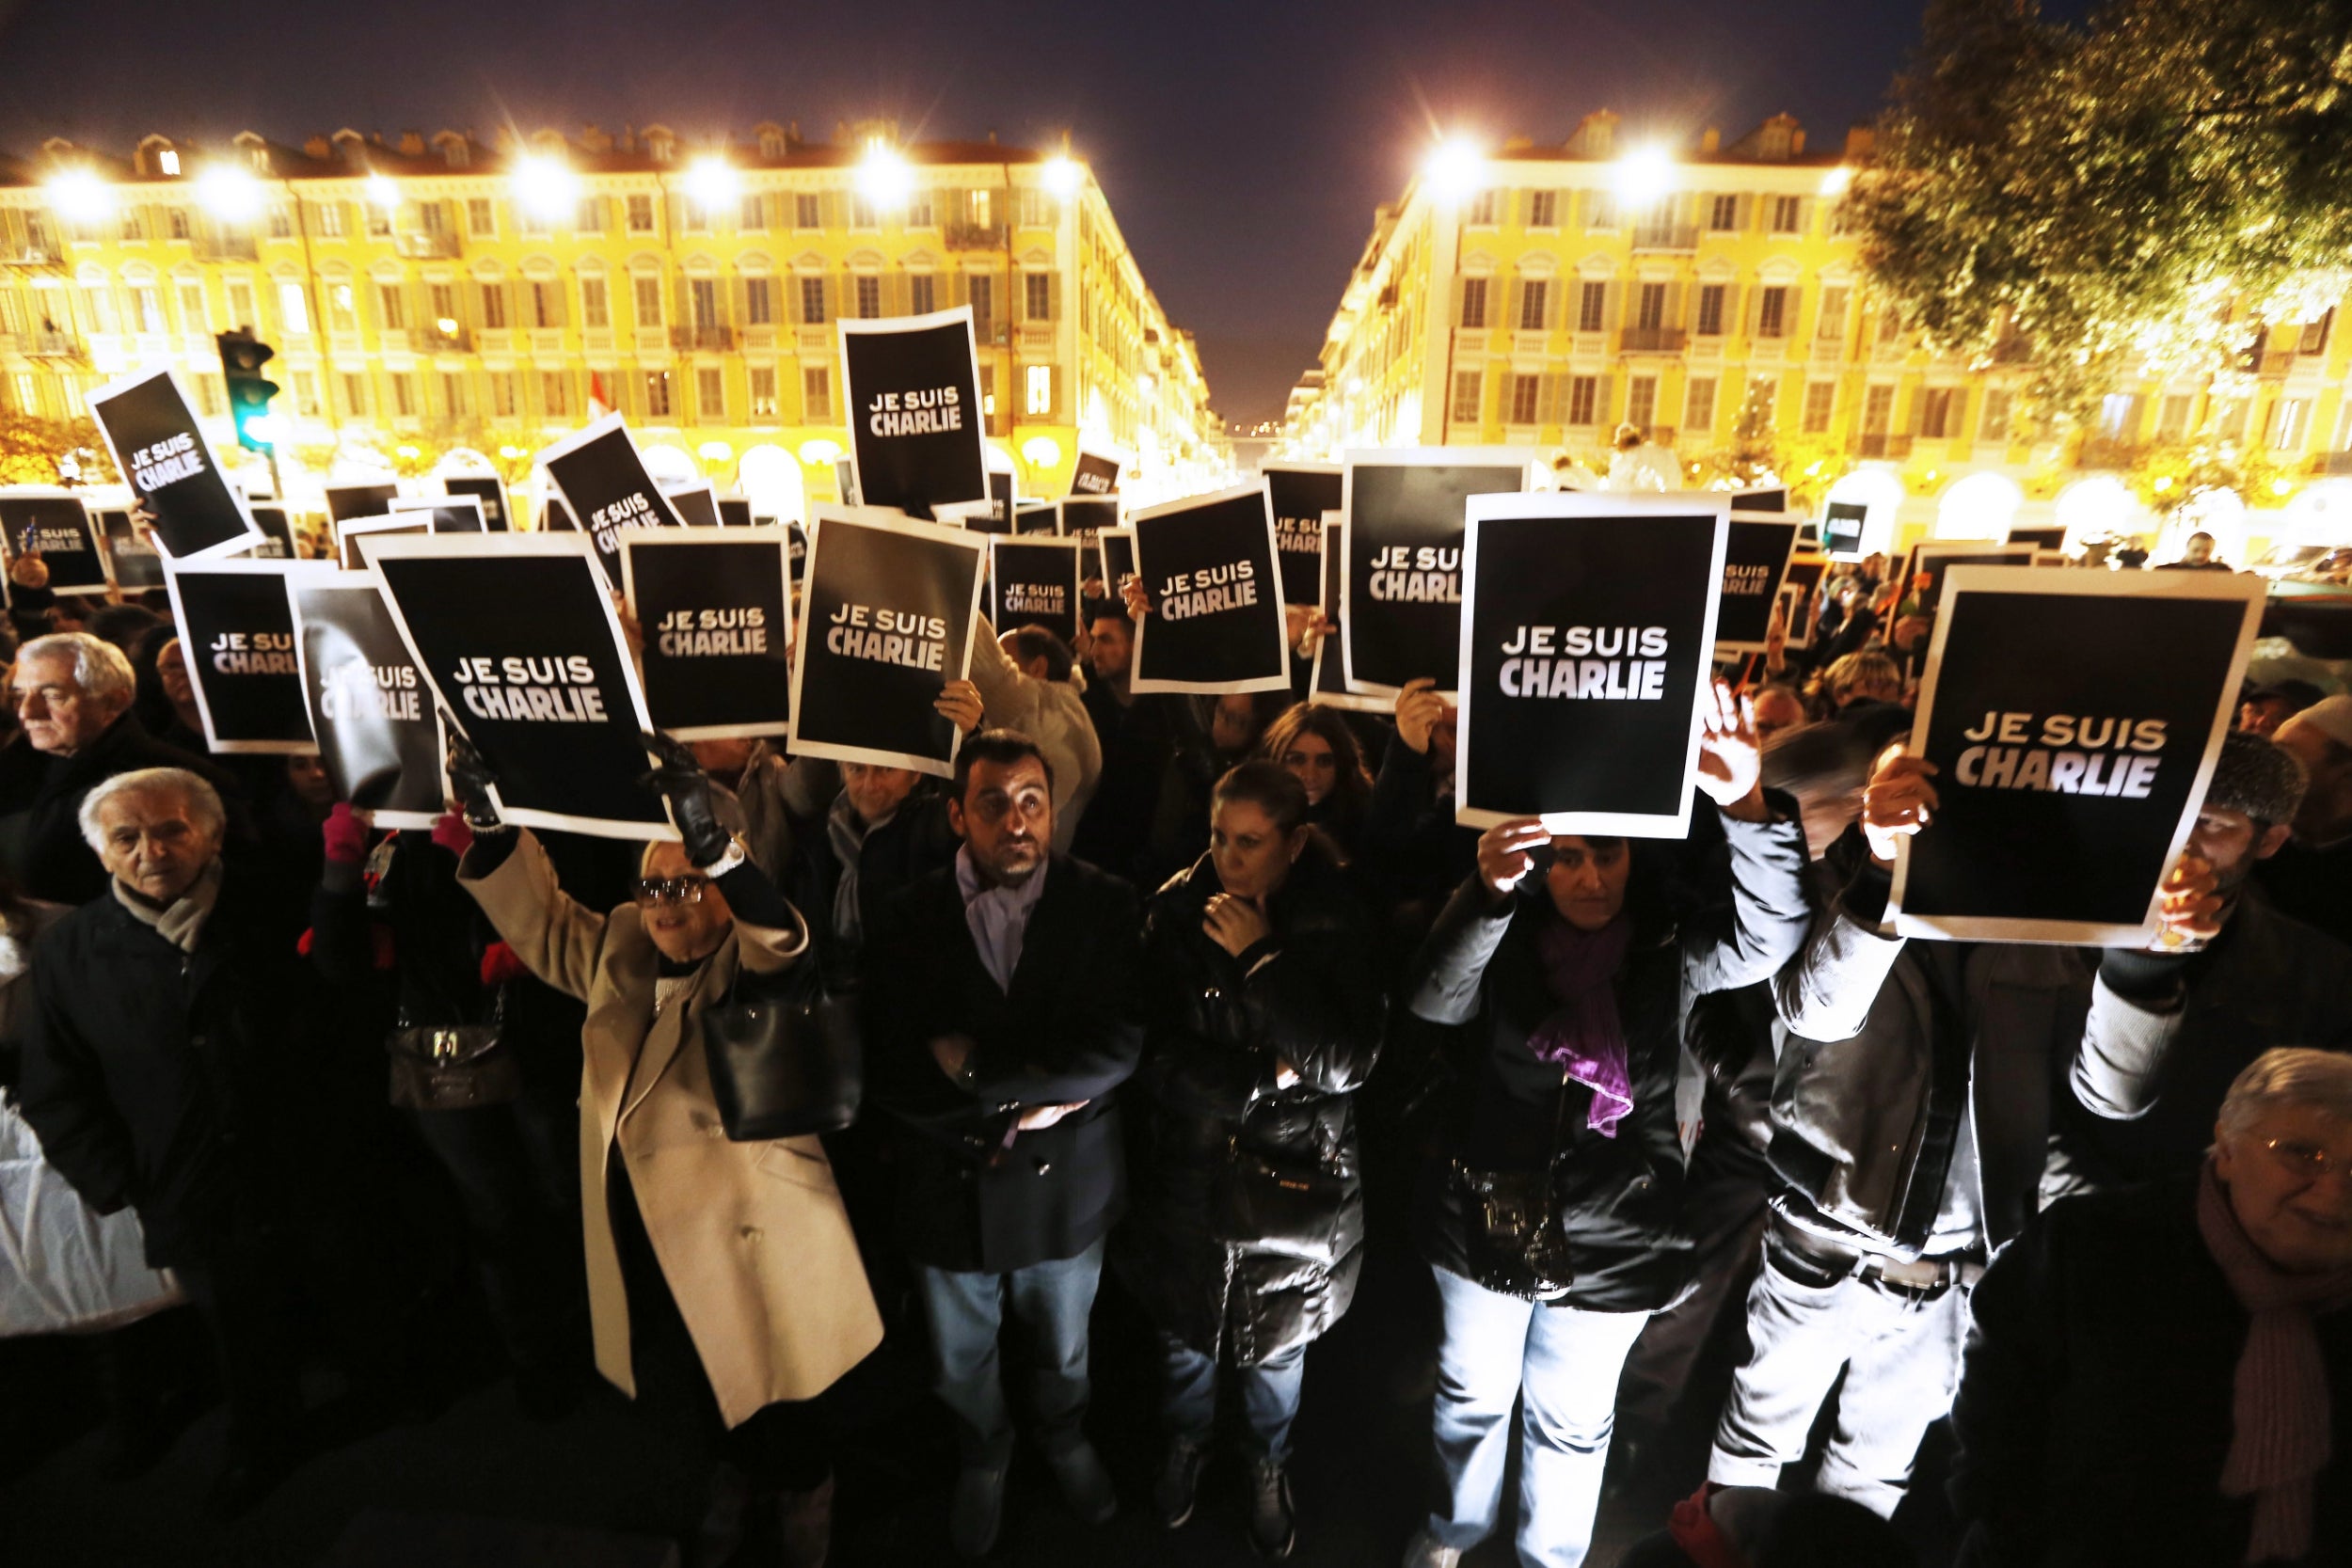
(1316, 746)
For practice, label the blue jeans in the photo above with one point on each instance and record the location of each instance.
(1560, 1364)
(1053, 1302)
(1269, 1396)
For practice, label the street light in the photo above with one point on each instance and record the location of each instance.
(712, 181)
(1644, 175)
(384, 191)
(80, 196)
(714, 452)
(1042, 452)
(1455, 171)
(1837, 180)
(1063, 175)
(884, 175)
(545, 186)
(229, 192)
(816, 451)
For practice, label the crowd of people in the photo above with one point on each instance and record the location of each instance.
(1214, 995)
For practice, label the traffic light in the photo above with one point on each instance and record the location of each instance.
(242, 357)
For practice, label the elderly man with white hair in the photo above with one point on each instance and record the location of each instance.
(73, 694)
(2156, 1375)
(168, 1070)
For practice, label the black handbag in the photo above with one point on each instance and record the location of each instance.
(784, 1056)
(1287, 1208)
(1511, 1235)
(453, 1067)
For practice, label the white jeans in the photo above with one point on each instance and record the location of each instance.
(1901, 1359)
(1560, 1366)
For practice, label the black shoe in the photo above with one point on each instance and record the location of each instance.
(1273, 1525)
(1086, 1486)
(1172, 1495)
(1632, 1457)
(979, 1511)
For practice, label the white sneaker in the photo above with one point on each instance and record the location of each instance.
(1423, 1551)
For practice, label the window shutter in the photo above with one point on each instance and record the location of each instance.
(958, 292)
(1746, 209)
(1057, 393)
(1793, 311)
(1052, 296)
(1455, 309)
(1511, 305)
(1611, 306)
(793, 311)
(1547, 411)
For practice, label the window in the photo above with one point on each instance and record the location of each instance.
(404, 394)
(1470, 387)
(501, 394)
(1037, 296)
(547, 303)
(481, 219)
(702, 297)
(1473, 302)
(2314, 336)
(980, 292)
(862, 212)
(869, 296)
(657, 385)
(1543, 209)
(592, 217)
(1831, 327)
(494, 307)
(2115, 416)
(593, 311)
(1878, 410)
(763, 392)
(1820, 402)
(988, 398)
(1788, 214)
(753, 219)
(176, 222)
(1600, 210)
(454, 394)
(1583, 399)
(816, 394)
(134, 227)
(293, 307)
(813, 300)
(1525, 392)
(647, 290)
(441, 303)
(433, 217)
(1771, 311)
(192, 316)
(356, 394)
(1698, 404)
(241, 309)
(2171, 415)
(922, 294)
(1037, 209)
(980, 208)
(306, 391)
(379, 221)
(331, 216)
(1039, 398)
(281, 222)
(759, 302)
(920, 213)
(147, 302)
(1935, 412)
(808, 210)
(1992, 424)
(1640, 400)
(641, 214)
(392, 308)
(1651, 307)
(2290, 423)
(1711, 309)
(1759, 402)
(711, 394)
(1592, 306)
(1722, 214)
(555, 393)
(1535, 295)
(343, 308)
(1482, 209)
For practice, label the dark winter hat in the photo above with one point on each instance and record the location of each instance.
(2258, 777)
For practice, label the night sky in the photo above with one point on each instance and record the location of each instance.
(1242, 146)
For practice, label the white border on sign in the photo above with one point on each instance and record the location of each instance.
(277, 567)
(351, 530)
(572, 443)
(1061, 512)
(699, 487)
(1289, 466)
(1103, 559)
(1793, 592)
(364, 582)
(889, 522)
(880, 326)
(1778, 519)
(1114, 456)
(106, 582)
(373, 500)
(1077, 572)
(634, 539)
(1346, 702)
(1407, 457)
(1281, 643)
(1926, 549)
(1561, 505)
(253, 534)
(1860, 524)
(434, 505)
(2105, 585)
(456, 546)
(506, 501)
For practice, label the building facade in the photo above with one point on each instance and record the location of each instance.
(1541, 296)
(431, 294)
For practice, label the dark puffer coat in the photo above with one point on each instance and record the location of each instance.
(1309, 995)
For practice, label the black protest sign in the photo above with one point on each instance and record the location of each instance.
(1585, 649)
(135, 565)
(886, 622)
(1034, 582)
(1095, 473)
(1038, 517)
(1216, 610)
(1761, 501)
(1841, 528)
(1931, 559)
(1114, 560)
(555, 518)
(912, 384)
(444, 513)
(57, 529)
(2075, 719)
(1402, 595)
(735, 512)
(1327, 684)
(712, 612)
(1082, 517)
(379, 732)
(1299, 494)
(160, 450)
(796, 550)
(345, 501)
(279, 543)
(350, 530)
(2050, 537)
(489, 492)
(1755, 562)
(236, 634)
(1801, 590)
(696, 505)
(521, 646)
(1002, 499)
(606, 488)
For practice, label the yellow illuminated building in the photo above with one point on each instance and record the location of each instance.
(426, 295)
(1540, 296)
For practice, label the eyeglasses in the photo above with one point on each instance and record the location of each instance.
(650, 891)
(2306, 1160)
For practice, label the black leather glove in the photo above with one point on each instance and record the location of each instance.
(471, 780)
(687, 790)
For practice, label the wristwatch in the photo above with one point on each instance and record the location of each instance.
(729, 862)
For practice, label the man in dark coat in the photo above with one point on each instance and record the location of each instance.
(167, 1071)
(998, 1005)
(73, 694)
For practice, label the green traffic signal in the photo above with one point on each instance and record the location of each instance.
(242, 357)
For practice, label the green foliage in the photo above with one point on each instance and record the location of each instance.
(2132, 197)
(30, 447)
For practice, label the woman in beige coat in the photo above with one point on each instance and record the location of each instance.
(723, 1273)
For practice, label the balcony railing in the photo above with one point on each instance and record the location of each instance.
(1653, 340)
(230, 246)
(1665, 236)
(53, 345)
(35, 253)
(416, 245)
(432, 339)
(1879, 444)
(713, 339)
(973, 236)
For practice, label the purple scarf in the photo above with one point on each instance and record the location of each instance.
(1583, 1036)
(2279, 1437)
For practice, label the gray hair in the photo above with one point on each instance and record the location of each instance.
(99, 668)
(2288, 1075)
(205, 812)
(2258, 777)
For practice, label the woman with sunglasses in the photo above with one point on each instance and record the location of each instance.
(723, 1281)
